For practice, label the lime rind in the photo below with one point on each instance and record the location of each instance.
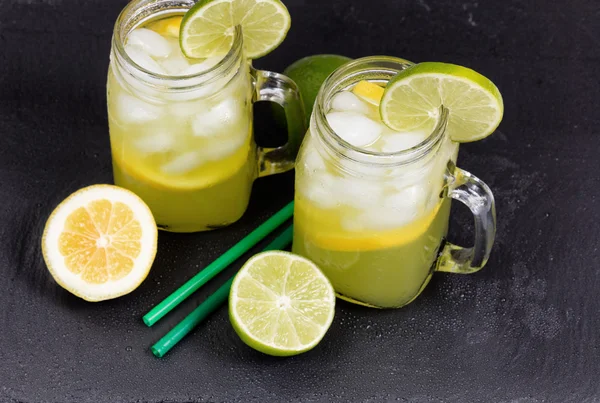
(412, 99)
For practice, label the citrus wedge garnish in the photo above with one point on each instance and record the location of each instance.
(281, 304)
(167, 26)
(100, 242)
(412, 101)
(368, 91)
(208, 28)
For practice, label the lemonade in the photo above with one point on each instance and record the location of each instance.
(180, 92)
(377, 172)
(375, 232)
(366, 268)
(188, 153)
(370, 210)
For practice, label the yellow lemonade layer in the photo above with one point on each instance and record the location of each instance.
(146, 168)
(183, 209)
(327, 232)
(385, 269)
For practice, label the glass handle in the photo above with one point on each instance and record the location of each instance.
(274, 87)
(478, 197)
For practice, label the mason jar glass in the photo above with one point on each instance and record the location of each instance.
(184, 143)
(374, 222)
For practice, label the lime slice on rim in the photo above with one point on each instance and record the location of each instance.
(208, 27)
(413, 97)
(281, 304)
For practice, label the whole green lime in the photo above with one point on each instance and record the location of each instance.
(309, 73)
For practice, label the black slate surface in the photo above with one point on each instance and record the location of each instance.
(523, 330)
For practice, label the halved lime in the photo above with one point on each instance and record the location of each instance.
(208, 27)
(413, 97)
(281, 304)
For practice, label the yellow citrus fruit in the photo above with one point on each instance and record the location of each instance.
(100, 242)
(167, 26)
(368, 91)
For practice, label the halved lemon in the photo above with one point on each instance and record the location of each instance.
(100, 242)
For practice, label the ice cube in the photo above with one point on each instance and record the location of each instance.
(406, 205)
(133, 110)
(313, 160)
(200, 92)
(193, 94)
(143, 59)
(200, 87)
(374, 147)
(355, 128)
(393, 211)
(377, 218)
(137, 83)
(223, 147)
(318, 188)
(216, 119)
(159, 141)
(409, 199)
(184, 163)
(186, 109)
(360, 170)
(346, 101)
(202, 66)
(152, 43)
(358, 193)
(415, 173)
(398, 141)
(175, 64)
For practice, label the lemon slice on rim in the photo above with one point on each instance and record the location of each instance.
(100, 242)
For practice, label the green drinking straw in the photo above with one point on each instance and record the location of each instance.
(211, 304)
(218, 265)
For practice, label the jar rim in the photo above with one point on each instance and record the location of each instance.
(378, 68)
(134, 12)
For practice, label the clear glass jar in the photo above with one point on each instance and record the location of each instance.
(184, 144)
(376, 223)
